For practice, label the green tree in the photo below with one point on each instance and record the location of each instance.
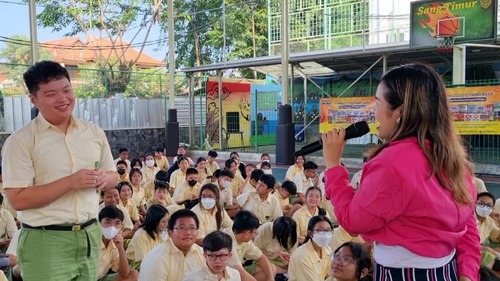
(112, 19)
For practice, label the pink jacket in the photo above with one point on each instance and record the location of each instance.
(398, 204)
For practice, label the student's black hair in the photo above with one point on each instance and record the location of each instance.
(256, 174)
(312, 222)
(111, 212)
(200, 159)
(1, 199)
(300, 155)
(290, 187)
(234, 153)
(486, 193)
(159, 149)
(162, 175)
(43, 72)
(268, 180)
(218, 213)
(182, 213)
(103, 192)
(321, 211)
(265, 163)
(180, 159)
(228, 163)
(153, 217)
(191, 171)
(135, 161)
(265, 154)
(213, 153)
(310, 165)
(487, 274)
(123, 149)
(120, 185)
(216, 173)
(122, 162)
(134, 171)
(217, 240)
(285, 231)
(225, 173)
(161, 185)
(245, 220)
(362, 257)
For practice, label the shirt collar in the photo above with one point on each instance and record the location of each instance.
(43, 124)
(212, 274)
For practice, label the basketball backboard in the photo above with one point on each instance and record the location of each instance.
(464, 20)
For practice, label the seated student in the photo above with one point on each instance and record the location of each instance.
(265, 206)
(8, 226)
(181, 152)
(479, 184)
(341, 236)
(297, 168)
(122, 169)
(351, 262)
(266, 167)
(245, 227)
(305, 180)
(111, 197)
(149, 187)
(14, 272)
(149, 170)
(249, 168)
(264, 157)
(488, 229)
(311, 260)
(356, 178)
(126, 201)
(325, 202)
(211, 164)
(283, 193)
(188, 191)
(150, 234)
(252, 179)
(112, 254)
(217, 247)
(239, 164)
(210, 212)
(278, 240)
(161, 195)
(179, 175)
(179, 254)
(223, 180)
(310, 209)
(160, 160)
(237, 181)
(203, 171)
(137, 186)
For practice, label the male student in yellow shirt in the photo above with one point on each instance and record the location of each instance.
(189, 190)
(52, 168)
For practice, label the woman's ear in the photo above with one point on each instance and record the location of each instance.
(364, 272)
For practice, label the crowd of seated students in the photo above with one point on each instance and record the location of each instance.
(201, 222)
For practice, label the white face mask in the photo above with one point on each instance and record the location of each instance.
(164, 234)
(109, 232)
(225, 184)
(150, 163)
(208, 203)
(322, 239)
(483, 211)
(268, 171)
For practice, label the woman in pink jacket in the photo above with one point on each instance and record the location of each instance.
(416, 196)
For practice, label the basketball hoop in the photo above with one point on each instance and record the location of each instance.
(445, 44)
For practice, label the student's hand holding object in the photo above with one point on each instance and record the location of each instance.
(84, 178)
(118, 240)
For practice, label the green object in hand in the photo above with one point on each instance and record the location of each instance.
(97, 164)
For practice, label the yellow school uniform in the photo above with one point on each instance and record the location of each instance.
(185, 192)
(488, 229)
(148, 174)
(340, 236)
(205, 274)
(213, 166)
(293, 171)
(226, 196)
(283, 201)
(138, 195)
(266, 211)
(168, 202)
(243, 251)
(167, 263)
(266, 243)
(125, 177)
(141, 244)
(131, 208)
(176, 178)
(302, 217)
(302, 183)
(162, 163)
(39, 153)
(109, 258)
(236, 184)
(149, 190)
(480, 186)
(8, 225)
(208, 223)
(306, 264)
(203, 174)
(248, 188)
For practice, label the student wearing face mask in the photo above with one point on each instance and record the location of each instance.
(149, 170)
(211, 214)
(150, 234)
(122, 169)
(311, 261)
(266, 167)
(488, 229)
(223, 180)
(112, 254)
(310, 209)
(188, 191)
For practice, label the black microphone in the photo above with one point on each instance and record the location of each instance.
(355, 130)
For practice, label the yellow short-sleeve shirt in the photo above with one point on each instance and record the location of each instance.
(109, 258)
(131, 208)
(293, 171)
(141, 244)
(302, 217)
(267, 244)
(148, 174)
(208, 222)
(267, 210)
(185, 192)
(213, 166)
(205, 274)
(176, 178)
(306, 264)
